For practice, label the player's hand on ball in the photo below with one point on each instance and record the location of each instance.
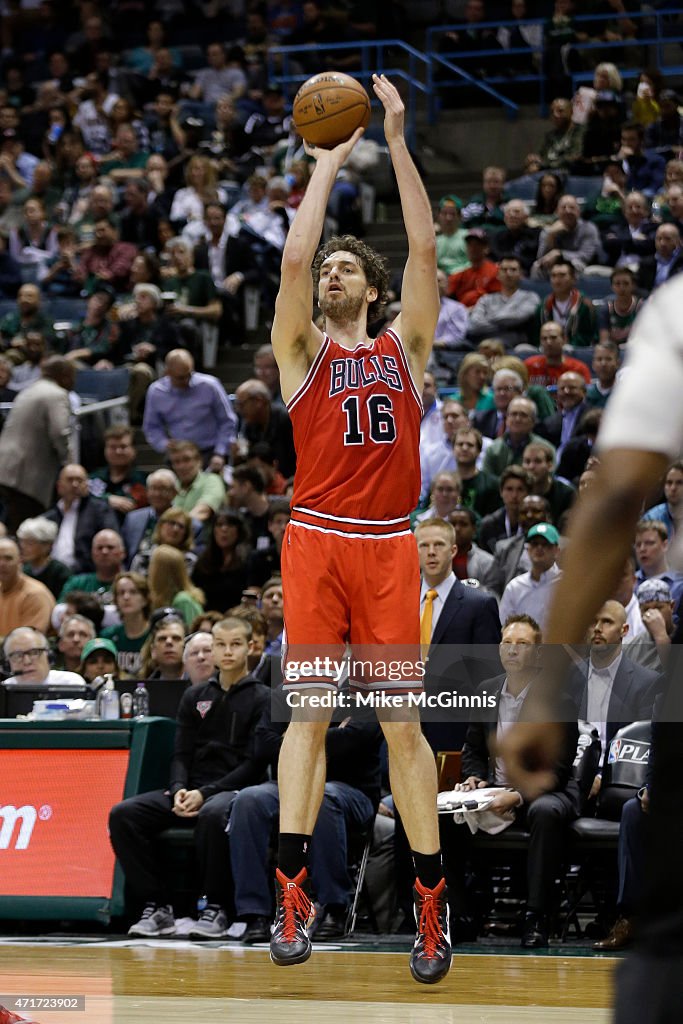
(394, 109)
(339, 154)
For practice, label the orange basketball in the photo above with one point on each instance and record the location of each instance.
(329, 107)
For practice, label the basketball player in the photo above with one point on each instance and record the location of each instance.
(641, 433)
(349, 562)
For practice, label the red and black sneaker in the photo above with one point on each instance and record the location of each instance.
(289, 941)
(430, 959)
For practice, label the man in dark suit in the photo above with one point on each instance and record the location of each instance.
(506, 385)
(515, 484)
(138, 526)
(451, 614)
(635, 238)
(571, 404)
(666, 262)
(510, 557)
(611, 691)
(79, 517)
(546, 818)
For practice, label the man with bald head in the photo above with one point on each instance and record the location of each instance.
(265, 422)
(23, 601)
(611, 690)
(516, 238)
(667, 260)
(79, 517)
(108, 556)
(508, 449)
(188, 406)
(568, 238)
(572, 406)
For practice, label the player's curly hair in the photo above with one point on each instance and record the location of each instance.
(374, 267)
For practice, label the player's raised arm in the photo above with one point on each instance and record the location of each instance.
(419, 295)
(294, 336)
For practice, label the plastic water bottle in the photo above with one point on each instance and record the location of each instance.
(108, 700)
(126, 702)
(140, 701)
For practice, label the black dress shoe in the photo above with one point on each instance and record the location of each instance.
(535, 934)
(332, 925)
(257, 930)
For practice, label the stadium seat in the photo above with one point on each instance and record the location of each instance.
(593, 841)
(67, 308)
(193, 56)
(540, 288)
(99, 385)
(594, 287)
(582, 187)
(523, 188)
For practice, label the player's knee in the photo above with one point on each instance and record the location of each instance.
(403, 737)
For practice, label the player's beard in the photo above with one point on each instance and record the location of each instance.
(342, 310)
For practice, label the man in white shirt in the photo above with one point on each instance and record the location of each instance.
(529, 594)
(26, 652)
(608, 632)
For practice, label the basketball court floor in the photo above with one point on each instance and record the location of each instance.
(128, 981)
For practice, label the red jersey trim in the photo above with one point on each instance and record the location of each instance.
(346, 519)
(308, 379)
(406, 364)
(348, 533)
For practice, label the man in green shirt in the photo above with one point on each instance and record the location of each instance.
(451, 251)
(508, 450)
(108, 555)
(28, 316)
(126, 160)
(120, 482)
(479, 489)
(201, 494)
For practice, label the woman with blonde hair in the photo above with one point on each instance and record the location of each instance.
(474, 374)
(606, 78)
(170, 586)
(175, 528)
(189, 202)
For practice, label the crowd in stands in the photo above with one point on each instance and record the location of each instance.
(139, 198)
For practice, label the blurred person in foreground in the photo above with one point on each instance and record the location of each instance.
(641, 434)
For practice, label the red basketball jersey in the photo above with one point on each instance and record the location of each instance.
(356, 421)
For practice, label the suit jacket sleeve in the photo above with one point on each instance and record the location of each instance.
(58, 421)
(475, 752)
(487, 623)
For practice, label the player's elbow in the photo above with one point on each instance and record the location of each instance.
(423, 246)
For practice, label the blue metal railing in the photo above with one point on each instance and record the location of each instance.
(424, 75)
(666, 28)
(284, 63)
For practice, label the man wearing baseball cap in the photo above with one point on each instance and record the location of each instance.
(529, 594)
(481, 277)
(657, 612)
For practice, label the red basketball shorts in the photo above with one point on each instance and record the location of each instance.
(360, 591)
